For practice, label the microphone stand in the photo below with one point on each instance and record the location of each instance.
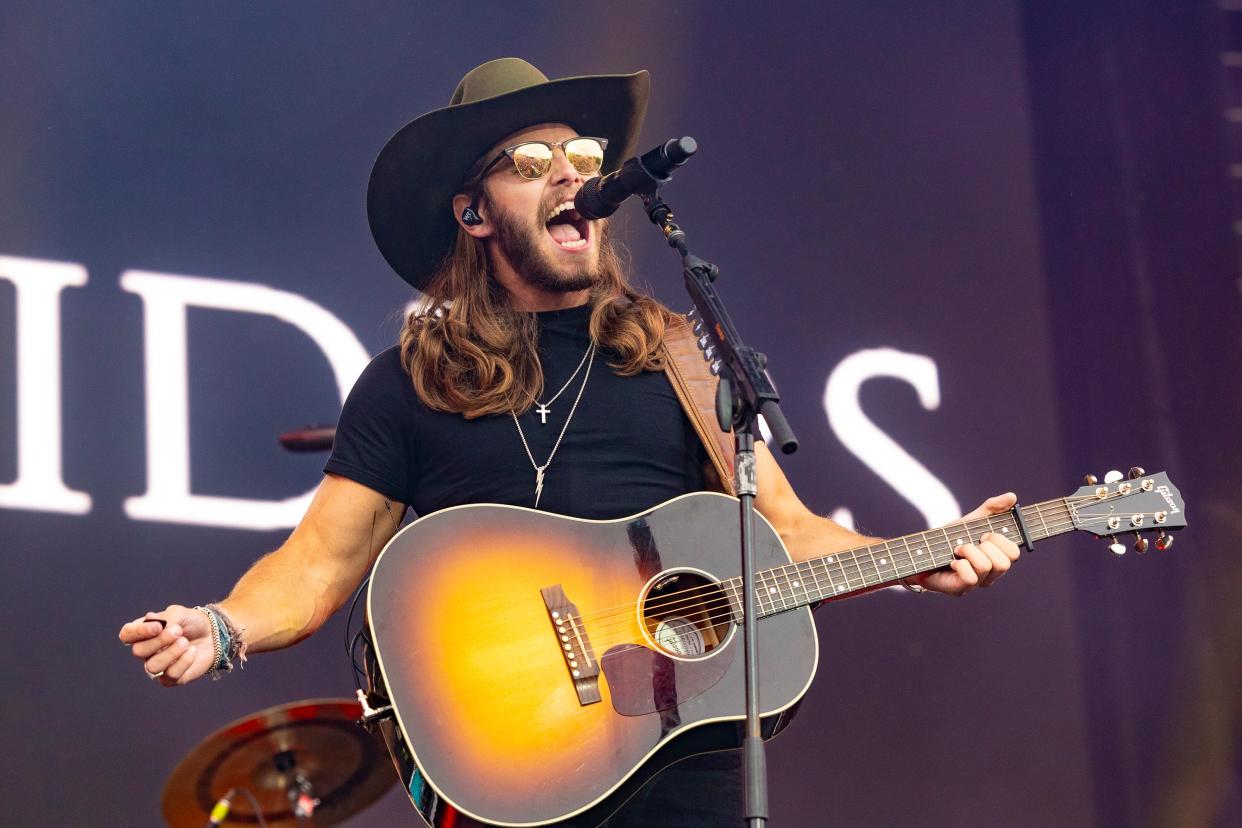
(745, 391)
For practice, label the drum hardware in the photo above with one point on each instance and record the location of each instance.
(306, 763)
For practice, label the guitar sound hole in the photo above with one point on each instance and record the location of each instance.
(687, 615)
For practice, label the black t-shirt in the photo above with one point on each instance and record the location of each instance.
(628, 447)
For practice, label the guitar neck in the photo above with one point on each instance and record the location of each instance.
(807, 582)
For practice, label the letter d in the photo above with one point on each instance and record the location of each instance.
(165, 298)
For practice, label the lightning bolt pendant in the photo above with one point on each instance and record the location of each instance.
(538, 484)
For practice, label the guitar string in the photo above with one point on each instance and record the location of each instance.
(854, 552)
(726, 596)
(724, 600)
(859, 550)
(847, 556)
(601, 632)
(869, 573)
(1065, 520)
(713, 618)
(865, 568)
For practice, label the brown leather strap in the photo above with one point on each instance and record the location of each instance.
(695, 387)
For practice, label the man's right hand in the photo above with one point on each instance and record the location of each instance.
(175, 646)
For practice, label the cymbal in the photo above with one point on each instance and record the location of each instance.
(317, 741)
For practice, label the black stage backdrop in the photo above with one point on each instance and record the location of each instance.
(986, 245)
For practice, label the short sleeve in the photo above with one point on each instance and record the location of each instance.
(372, 444)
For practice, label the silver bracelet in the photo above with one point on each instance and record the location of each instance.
(915, 588)
(217, 644)
(226, 641)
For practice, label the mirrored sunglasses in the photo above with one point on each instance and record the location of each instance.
(533, 159)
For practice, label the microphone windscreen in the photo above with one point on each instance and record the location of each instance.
(680, 150)
(590, 204)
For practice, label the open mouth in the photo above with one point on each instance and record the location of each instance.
(568, 229)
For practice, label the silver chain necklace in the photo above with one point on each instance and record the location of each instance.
(540, 470)
(544, 409)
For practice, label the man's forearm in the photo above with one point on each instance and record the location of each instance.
(289, 594)
(280, 600)
(812, 536)
(284, 597)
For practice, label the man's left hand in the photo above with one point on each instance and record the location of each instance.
(976, 564)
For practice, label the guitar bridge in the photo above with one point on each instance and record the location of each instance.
(572, 641)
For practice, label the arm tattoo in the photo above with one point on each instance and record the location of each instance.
(391, 516)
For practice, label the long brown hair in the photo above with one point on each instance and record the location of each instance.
(468, 352)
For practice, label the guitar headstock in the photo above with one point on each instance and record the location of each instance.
(1136, 503)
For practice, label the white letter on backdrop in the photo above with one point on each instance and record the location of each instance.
(39, 485)
(877, 450)
(165, 298)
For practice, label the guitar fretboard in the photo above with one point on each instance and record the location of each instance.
(798, 584)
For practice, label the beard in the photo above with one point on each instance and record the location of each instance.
(520, 243)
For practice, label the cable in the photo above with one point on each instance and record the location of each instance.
(254, 805)
(351, 645)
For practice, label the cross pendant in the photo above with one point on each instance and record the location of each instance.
(538, 484)
(543, 411)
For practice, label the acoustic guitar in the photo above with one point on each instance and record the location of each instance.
(542, 668)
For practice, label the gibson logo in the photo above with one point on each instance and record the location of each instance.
(1168, 498)
(668, 580)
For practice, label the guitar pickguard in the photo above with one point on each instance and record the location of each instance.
(642, 681)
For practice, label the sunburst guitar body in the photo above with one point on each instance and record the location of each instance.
(542, 668)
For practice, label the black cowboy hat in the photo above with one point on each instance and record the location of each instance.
(422, 167)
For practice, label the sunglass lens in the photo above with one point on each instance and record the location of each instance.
(586, 155)
(533, 160)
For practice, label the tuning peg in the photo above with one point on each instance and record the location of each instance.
(704, 341)
(1117, 549)
(1140, 543)
(1113, 476)
(715, 367)
(1136, 472)
(709, 353)
(1163, 540)
(1090, 480)
(692, 313)
(698, 328)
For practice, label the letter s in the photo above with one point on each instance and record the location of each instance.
(873, 447)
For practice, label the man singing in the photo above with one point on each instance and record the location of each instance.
(535, 376)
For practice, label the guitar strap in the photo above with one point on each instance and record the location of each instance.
(695, 387)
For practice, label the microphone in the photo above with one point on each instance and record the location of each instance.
(600, 197)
